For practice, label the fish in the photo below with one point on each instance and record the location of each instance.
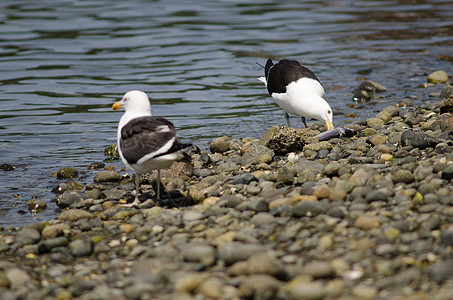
(336, 133)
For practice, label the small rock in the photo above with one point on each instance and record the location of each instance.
(364, 291)
(212, 288)
(6, 167)
(81, 247)
(17, 277)
(65, 173)
(107, 176)
(374, 121)
(387, 250)
(419, 140)
(441, 271)
(190, 216)
(245, 178)
(96, 166)
(45, 246)
(27, 236)
(258, 204)
(259, 263)
(439, 76)
(263, 219)
(324, 145)
(112, 151)
(361, 95)
(332, 169)
(200, 253)
(447, 173)
(366, 222)
(70, 197)
(282, 140)
(404, 176)
(233, 252)
(446, 93)
(319, 269)
(303, 289)
(219, 145)
(308, 208)
(446, 236)
(285, 176)
(377, 139)
(259, 287)
(75, 214)
(4, 281)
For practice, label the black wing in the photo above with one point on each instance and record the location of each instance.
(283, 73)
(146, 135)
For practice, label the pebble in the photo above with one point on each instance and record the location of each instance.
(308, 208)
(107, 176)
(204, 254)
(302, 289)
(260, 286)
(66, 173)
(17, 277)
(367, 222)
(439, 76)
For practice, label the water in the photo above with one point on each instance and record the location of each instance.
(62, 65)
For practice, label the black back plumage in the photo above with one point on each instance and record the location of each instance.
(284, 72)
(145, 135)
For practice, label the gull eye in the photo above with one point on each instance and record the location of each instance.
(329, 112)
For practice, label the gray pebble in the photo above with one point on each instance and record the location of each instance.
(258, 204)
(27, 235)
(107, 176)
(17, 277)
(81, 247)
(204, 254)
(308, 208)
(236, 251)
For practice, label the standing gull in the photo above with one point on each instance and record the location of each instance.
(297, 90)
(145, 143)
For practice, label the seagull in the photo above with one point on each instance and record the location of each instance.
(145, 143)
(297, 90)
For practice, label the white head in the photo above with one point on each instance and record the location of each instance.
(326, 114)
(135, 102)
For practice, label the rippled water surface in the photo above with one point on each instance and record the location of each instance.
(63, 63)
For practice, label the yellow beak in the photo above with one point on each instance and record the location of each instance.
(117, 105)
(329, 125)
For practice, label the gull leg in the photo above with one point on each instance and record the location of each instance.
(137, 185)
(287, 119)
(158, 184)
(304, 121)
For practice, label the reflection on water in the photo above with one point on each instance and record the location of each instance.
(62, 66)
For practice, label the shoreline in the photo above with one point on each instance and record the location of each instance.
(365, 217)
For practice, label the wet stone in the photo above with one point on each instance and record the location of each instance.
(219, 145)
(308, 208)
(65, 173)
(419, 140)
(439, 76)
(245, 178)
(107, 176)
(68, 198)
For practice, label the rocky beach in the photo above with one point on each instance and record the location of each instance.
(282, 216)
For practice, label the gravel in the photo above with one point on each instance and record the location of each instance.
(281, 217)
